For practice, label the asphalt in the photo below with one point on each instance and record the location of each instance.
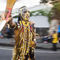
(10, 42)
(6, 54)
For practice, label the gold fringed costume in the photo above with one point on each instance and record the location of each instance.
(25, 44)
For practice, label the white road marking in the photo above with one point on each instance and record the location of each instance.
(36, 51)
(5, 48)
(47, 51)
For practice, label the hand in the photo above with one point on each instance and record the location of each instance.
(9, 19)
(3, 18)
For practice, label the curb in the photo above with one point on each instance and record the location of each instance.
(4, 44)
(37, 47)
(44, 48)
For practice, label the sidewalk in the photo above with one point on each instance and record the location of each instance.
(47, 46)
(7, 42)
(11, 41)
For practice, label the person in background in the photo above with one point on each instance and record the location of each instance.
(3, 17)
(55, 40)
(1, 36)
(45, 38)
(58, 32)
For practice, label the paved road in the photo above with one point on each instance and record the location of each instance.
(6, 54)
(47, 55)
(10, 42)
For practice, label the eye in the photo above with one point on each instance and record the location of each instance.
(26, 11)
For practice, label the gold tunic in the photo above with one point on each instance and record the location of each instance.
(24, 40)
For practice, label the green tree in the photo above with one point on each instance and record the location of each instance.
(44, 1)
(56, 10)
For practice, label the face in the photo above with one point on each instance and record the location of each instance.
(26, 15)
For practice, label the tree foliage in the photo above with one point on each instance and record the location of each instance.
(56, 10)
(44, 1)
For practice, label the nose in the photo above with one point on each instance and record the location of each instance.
(27, 14)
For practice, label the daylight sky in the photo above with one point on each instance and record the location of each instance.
(28, 3)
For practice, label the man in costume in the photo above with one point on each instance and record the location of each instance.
(24, 36)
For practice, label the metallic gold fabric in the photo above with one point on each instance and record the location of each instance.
(24, 40)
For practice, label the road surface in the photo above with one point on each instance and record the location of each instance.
(6, 54)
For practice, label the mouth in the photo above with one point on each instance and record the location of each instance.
(27, 16)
